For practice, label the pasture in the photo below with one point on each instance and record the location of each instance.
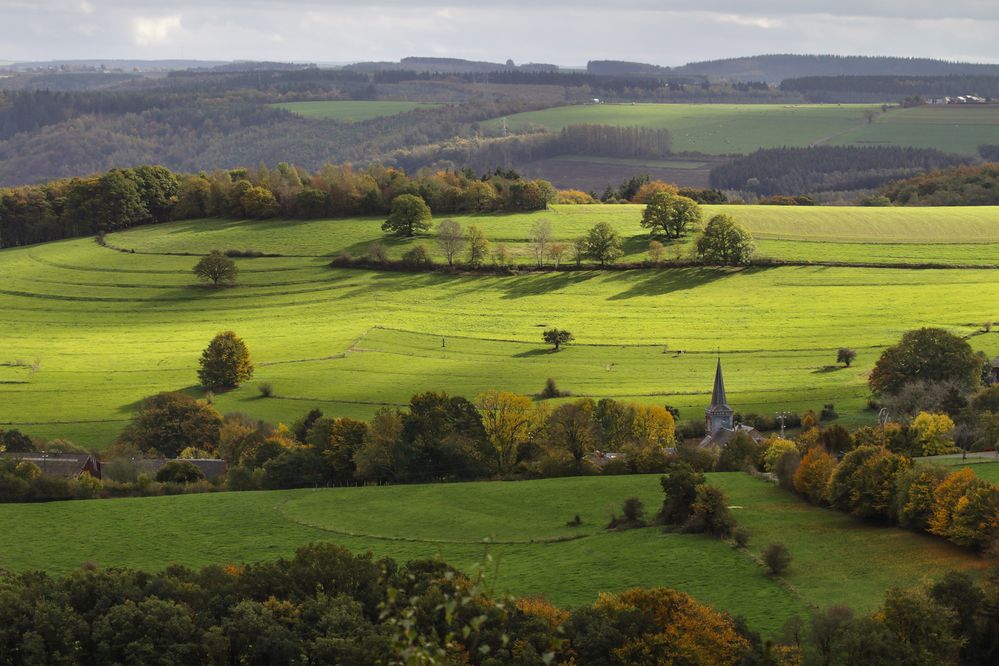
(81, 320)
(722, 129)
(520, 525)
(350, 111)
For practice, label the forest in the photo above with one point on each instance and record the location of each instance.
(826, 168)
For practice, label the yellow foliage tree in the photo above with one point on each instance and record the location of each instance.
(776, 448)
(946, 498)
(934, 432)
(812, 477)
(653, 426)
(510, 421)
(646, 191)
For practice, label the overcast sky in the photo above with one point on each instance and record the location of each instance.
(665, 32)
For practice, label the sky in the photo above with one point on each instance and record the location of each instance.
(563, 32)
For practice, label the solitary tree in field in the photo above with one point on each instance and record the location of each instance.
(670, 215)
(217, 268)
(226, 362)
(926, 355)
(603, 243)
(725, 242)
(557, 337)
(845, 356)
(451, 239)
(409, 216)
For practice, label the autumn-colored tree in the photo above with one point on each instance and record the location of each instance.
(866, 482)
(652, 426)
(377, 459)
(915, 496)
(510, 421)
(664, 626)
(572, 429)
(648, 190)
(965, 509)
(809, 421)
(934, 433)
(656, 251)
(776, 447)
(226, 362)
(812, 477)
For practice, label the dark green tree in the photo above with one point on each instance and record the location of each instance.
(725, 242)
(217, 268)
(179, 471)
(680, 486)
(670, 215)
(409, 216)
(603, 243)
(926, 355)
(168, 423)
(557, 337)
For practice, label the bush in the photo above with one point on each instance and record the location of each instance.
(551, 390)
(417, 257)
(266, 389)
(828, 413)
(179, 471)
(776, 558)
(633, 512)
(741, 537)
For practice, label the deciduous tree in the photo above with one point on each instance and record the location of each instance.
(927, 354)
(510, 421)
(216, 267)
(670, 215)
(451, 239)
(725, 242)
(410, 215)
(226, 362)
(603, 243)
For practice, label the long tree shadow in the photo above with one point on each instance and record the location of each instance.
(538, 284)
(671, 280)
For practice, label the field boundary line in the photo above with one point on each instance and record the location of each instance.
(280, 508)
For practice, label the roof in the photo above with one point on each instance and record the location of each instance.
(66, 465)
(723, 436)
(212, 468)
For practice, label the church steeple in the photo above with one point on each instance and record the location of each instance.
(718, 394)
(718, 415)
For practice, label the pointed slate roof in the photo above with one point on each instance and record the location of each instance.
(718, 393)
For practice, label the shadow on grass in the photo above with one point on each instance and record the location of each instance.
(826, 369)
(671, 280)
(535, 352)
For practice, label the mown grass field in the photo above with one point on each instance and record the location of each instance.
(105, 329)
(836, 559)
(349, 110)
(718, 129)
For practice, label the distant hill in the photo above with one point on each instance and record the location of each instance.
(128, 65)
(776, 68)
(450, 65)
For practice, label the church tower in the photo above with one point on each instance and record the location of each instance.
(719, 415)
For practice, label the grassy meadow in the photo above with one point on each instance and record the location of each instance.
(350, 111)
(81, 320)
(521, 526)
(720, 129)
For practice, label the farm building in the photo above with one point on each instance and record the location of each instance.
(64, 465)
(994, 369)
(719, 418)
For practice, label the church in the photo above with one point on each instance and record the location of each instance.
(719, 424)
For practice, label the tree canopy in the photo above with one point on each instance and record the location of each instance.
(226, 362)
(725, 242)
(670, 215)
(926, 355)
(216, 267)
(410, 215)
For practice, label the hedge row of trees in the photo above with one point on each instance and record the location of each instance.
(893, 87)
(123, 198)
(438, 437)
(795, 171)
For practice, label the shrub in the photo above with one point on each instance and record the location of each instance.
(575, 522)
(551, 390)
(417, 257)
(709, 513)
(845, 356)
(266, 389)
(378, 252)
(740, 535)
(828, 413)
(777, 558)
(179, 471)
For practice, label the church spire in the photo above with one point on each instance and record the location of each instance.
(718, 394)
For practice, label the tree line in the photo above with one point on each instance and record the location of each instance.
(123, 198)
(790, 171)
(956, 186)
(823, 88)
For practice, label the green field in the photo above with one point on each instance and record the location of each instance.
(836, 559)
(124, 326)
(349, 111)
(718, 129)
(958, 235)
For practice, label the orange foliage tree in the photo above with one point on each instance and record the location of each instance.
(812, 477)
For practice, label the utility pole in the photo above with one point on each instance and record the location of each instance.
(781, 416)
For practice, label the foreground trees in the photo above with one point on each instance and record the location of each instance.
(225, 363)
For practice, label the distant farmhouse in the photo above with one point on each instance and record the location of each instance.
(63, 465)
(960, 99)
(719, 418)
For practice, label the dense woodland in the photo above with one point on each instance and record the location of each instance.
(792, 171)
(958, 186)
(123, 198)
(833, 88)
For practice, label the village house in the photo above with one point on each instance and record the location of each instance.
(63, 465)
